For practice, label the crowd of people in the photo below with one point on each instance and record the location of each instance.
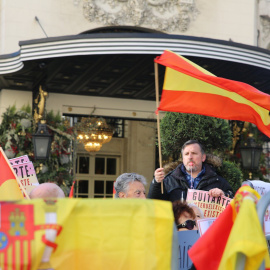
(192, 173)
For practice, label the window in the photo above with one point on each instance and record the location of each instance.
(96, 175)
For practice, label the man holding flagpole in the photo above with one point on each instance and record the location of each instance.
(193, 173)
(188, 88)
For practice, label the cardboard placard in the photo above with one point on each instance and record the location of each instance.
(25, 172)
(211, 206)
(262, 188)
(19, 160)
(204, 224)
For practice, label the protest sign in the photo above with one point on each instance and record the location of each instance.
(211, 206)
(186, 240)
(19, 160)
(204, 224)
(262, 188)
(25, 172)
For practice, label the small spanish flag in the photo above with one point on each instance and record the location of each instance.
(188, 88)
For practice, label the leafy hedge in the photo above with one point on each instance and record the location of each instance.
(230, 171)
(177, 128)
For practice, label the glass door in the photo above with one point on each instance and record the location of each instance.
(95, 175)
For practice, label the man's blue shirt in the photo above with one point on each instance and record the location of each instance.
(193, 182)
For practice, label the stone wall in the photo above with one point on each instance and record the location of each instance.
(234, 20)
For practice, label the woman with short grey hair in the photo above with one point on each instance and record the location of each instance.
(130, 185)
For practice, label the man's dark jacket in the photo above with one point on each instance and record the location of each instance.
(175, 184)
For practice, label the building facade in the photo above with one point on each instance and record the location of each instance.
(30, 28)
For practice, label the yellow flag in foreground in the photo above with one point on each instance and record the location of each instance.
(87, 234)
(247, 238)
(237, 231)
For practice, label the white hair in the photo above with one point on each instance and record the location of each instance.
(197, 207)
(122, 182)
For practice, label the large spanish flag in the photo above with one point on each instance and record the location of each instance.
(89, 234)
(236, 231)
(9, 188)
(188, 88)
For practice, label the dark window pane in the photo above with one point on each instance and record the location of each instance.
(84, 165)
(117, 125)
(99, 187)
(109, 187)
(82, 196)
(99, 166)
(111, 166)
(98, 196)
(83, 186)
(109, 196)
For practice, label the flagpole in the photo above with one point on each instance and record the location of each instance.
(158, 120)
(19, 183)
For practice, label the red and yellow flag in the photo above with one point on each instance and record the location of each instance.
(236, 231)
(9, 188)
(68, 234)
(188, 88)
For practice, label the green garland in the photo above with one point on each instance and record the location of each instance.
(16, 131)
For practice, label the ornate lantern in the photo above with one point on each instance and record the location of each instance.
(42, 140)
(250, 155)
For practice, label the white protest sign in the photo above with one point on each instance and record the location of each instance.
(211, 206)
(25, 172)
(262, 188)
(204, 224)
(19, 160)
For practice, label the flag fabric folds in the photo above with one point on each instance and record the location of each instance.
(236, 231)
(90, 234)
(188, 88)
(9, 188)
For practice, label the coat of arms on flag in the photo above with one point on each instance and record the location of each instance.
(17, 234)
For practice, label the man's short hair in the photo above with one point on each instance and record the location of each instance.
(47, 190)
(122, 182)
(192, 142)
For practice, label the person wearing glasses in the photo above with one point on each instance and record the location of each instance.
(192, 173)
(130, 185)
(184, 216)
